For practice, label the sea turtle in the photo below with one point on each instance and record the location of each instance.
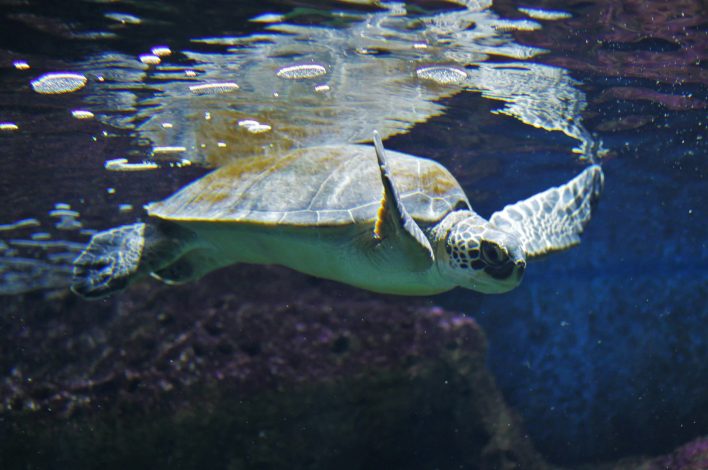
(383, 221)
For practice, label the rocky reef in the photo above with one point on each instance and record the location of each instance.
(690, 456)
(250, 368)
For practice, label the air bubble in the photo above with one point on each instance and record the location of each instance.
(57, 83)
(149, 59)
(259, 129)
(161, 51)
(253, 126)
(167, 150)
(442, 75)
(121, 164)
(213, 88)
(299, 72)
(540, 14)
(268, 18)
(82, 114)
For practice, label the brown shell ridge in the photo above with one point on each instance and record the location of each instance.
(335, 171)
(324, 186)
(218, 190)
(279, 163)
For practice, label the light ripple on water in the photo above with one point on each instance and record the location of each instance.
(443, 47)
(24, 223)
(61, 212)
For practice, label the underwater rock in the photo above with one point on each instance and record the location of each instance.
(251, 368)
(690, 456)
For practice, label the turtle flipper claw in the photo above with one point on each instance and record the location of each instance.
(110, 262)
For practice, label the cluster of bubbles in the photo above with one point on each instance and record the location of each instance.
(303, 86)
(404, 64)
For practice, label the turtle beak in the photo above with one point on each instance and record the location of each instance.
(520, 268)
(517, 254)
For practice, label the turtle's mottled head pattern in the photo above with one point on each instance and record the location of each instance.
(481, 257)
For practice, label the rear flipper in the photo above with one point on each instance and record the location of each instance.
(117, 257)
(110, 261)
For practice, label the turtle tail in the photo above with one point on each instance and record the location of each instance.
(110, 262)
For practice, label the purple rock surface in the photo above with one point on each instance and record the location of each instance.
(690, 456)
(246, 368)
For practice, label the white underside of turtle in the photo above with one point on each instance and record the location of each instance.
(321, 252)
(382, 221)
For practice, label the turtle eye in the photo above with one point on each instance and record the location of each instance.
(492, 254)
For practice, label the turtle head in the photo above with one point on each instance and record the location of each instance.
(479, 256)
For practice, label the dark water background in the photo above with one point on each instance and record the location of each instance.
(603, 349)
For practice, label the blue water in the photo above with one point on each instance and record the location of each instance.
(602, 350)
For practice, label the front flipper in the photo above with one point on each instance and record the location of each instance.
(394, 223)
(554, 219)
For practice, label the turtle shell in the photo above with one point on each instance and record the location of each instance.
(332, 185)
